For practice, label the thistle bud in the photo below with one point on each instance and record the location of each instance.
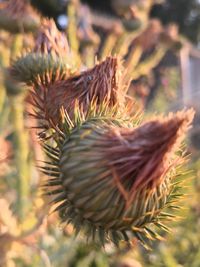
(48, 60)
(99, 84)
(113, 181)
(18, 16)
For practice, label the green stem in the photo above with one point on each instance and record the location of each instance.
(123, 42)
(17, 45)
(20, 140)
(4, 62)
(120, 45)
(2, 96)
(89, 56)
(72, 27)
(145, 66)
(21, 155)
(109, 43)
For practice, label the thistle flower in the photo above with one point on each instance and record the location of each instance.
(48, 60)
(102, 83)
(50, 41)
(113, 179)
(18, 16)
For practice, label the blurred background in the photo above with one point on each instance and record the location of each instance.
(159, 42)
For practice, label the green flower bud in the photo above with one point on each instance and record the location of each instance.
(49, 60)
(38, 68)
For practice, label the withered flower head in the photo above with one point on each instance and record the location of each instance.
(100, 84)
(18, 16)
(49, 61)
(113, 182)
(50, 41)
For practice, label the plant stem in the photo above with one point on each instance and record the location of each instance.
(72, 29)
(89, 56)
(20, 141)
(4, 62)
(109, 43)
(21, 155)
(2, 96)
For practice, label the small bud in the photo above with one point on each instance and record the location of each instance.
(48, 61)
(17, 16)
